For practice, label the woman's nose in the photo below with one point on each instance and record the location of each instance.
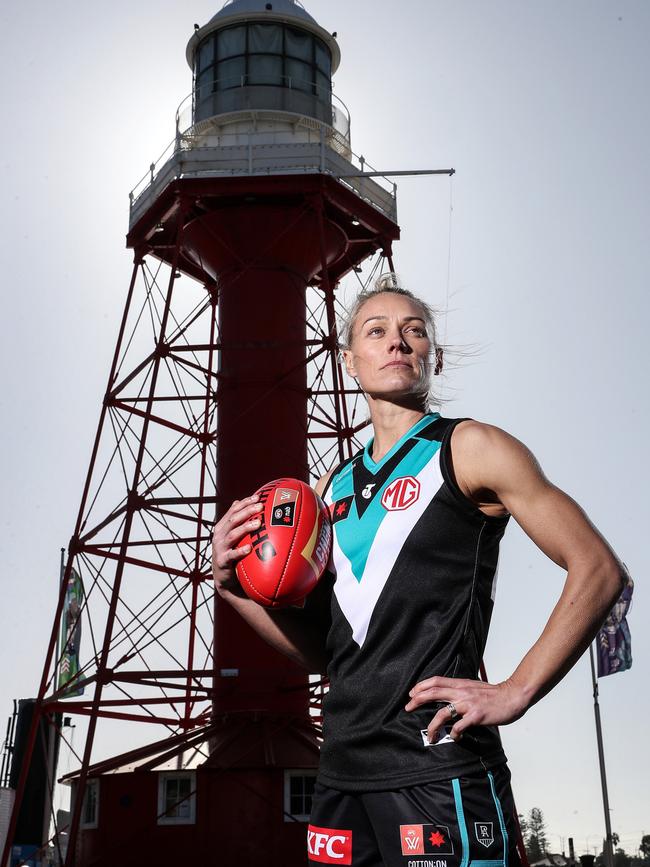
(397, 341)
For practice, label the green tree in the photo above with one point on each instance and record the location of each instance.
(536, 843)
(523, 826)
(644, 847)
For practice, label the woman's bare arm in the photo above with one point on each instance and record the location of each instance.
(500, 468)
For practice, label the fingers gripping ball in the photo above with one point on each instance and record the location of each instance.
(290, 548)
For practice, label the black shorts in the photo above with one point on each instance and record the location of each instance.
(464, 822)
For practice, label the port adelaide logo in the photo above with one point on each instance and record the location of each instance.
(484, 833)
(400, 494)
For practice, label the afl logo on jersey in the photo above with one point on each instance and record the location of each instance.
(401, 494)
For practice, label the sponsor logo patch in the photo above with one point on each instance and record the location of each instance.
(401, 494)
(340, 509)
(329, 845)
(426, 840)
(284, 507)
(484, 833)
(367, 491)
(443, 738)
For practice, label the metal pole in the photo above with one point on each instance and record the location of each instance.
(51, 740)
(609, 851)
(57, 655)
(340, 406)
(5, 771)
(322, 150)
(395, 174)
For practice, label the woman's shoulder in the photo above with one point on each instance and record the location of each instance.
(487, 460)
(473, 437)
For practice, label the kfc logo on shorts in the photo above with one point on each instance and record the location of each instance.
(426, 840)
(329, 845)
(401, 494)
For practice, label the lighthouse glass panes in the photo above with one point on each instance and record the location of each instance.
(268, 56)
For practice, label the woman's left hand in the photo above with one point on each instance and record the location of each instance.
(474, 703)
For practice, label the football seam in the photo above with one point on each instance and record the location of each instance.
(253, 587)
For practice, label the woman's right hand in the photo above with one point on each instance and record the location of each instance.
(241, 518)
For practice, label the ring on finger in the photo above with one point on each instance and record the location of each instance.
(453, 713)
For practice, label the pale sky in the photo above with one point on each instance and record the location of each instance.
(542, 109)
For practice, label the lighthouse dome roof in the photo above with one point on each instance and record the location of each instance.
(280, 7)
(286, 11)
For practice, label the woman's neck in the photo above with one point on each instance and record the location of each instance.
(390, 422)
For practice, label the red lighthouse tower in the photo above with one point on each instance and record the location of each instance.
(225, 375)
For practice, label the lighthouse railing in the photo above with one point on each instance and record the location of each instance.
(279, 92)
(201, 149)
(263, 159)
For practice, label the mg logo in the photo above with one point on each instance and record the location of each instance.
(401, 494)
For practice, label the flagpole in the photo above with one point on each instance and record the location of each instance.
(51, 738)
(58, 635)
(608, 852)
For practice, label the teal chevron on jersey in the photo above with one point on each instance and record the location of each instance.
(373, 466)
(355, 535)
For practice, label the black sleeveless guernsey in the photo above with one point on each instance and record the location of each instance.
(413, 576)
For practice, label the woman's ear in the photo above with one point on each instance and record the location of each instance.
(349, 364)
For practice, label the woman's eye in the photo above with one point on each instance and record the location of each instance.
(376, 330)
(419, 332)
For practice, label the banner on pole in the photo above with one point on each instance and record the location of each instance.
(71, 634)
(614, 640)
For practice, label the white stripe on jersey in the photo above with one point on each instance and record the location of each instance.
(357, 599)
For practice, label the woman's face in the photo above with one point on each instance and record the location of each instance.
(390, 349)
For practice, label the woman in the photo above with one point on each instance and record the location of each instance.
(411, 763)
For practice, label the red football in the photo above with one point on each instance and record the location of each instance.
(290, 548)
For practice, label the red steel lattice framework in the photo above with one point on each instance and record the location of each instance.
(225, 374)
